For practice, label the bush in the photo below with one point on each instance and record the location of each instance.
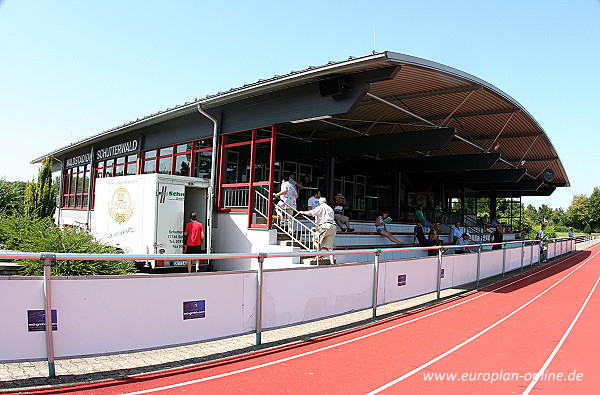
(42, 235)
(587, 229)
(562, 228)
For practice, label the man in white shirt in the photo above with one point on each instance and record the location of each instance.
(313, 201)
(324, 235)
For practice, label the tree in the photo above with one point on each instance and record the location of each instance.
(594, 208)
(578, 214)
(40, 197)
(11, 196)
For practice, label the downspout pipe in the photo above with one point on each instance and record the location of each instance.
(213, 180)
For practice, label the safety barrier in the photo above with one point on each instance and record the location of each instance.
(92, 315)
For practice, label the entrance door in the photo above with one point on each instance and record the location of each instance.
(195, 201)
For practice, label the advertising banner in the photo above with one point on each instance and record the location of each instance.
(36, 320)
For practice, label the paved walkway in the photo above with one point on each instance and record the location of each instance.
(80, 370)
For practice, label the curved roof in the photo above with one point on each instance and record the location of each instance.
(422, 95)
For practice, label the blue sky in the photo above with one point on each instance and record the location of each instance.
(71, 69)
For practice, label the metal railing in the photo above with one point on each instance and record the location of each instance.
(49, 258)
(235, 197)
(298, 231)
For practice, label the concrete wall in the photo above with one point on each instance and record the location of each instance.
(233, 236)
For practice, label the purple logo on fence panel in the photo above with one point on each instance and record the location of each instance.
(193, 309)
(442, 274)
(401, 279)
(36, 320)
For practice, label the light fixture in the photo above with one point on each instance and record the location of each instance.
(311, 119)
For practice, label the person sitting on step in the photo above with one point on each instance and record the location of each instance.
(380, 227)
(338, 210)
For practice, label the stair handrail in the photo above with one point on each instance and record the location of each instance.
(296, 230)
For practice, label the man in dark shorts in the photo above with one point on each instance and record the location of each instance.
(194, 231)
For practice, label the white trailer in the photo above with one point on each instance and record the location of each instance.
(147, 213)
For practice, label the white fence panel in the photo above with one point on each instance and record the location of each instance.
(17, 296)
(465, 268)
(301, 295)
(491, 263)
(108, 314)
(405, 279)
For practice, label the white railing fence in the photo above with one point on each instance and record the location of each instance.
(92, 315)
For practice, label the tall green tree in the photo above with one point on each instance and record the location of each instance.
(578, 214)
(594, 208)
(11, 196)
(40, 196)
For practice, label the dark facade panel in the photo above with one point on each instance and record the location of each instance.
(296, 103)
(431, 139)
(447, 163)
(521, 186)
(482, 176)
(178, 130)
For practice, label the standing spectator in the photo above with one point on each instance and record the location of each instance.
(541, 237)
(495, 221)
(324, 236)
(194, 232)
(440, 213)
(571, 235)
(287, 196)
(380, 227)
(497, 236)
(304, 193)
(456, 233)
(338, 210)
(313, 201)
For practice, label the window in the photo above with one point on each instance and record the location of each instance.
(75, 187)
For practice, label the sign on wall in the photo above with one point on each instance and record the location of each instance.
(401, 280)
(36, 320)
(193, 309)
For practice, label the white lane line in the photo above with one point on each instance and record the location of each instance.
(469, 340)
(344, 342)
(536, 377)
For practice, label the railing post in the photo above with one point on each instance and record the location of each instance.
(439, 276)
(522, 254)
(376, 282)
(48, 258)
(503, 259)
(554, 242)
(531, 257)
(478, 265)
(259, 299)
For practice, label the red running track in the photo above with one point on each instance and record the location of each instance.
(533, 333)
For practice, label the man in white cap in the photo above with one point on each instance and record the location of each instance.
(326, 230)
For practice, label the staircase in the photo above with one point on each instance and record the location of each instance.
(291, 229)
